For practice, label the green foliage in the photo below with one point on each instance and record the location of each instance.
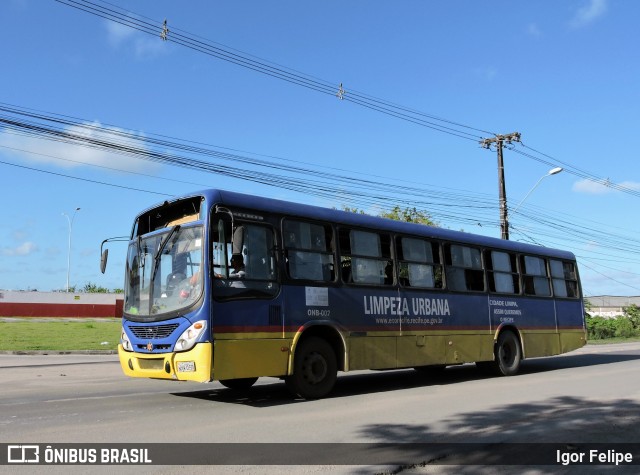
(352, 210)
(91, 288)
(624, 328)
(409, 215)
(601, 328)
(632, 312)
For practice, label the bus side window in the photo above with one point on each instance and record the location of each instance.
(366, 257)
(464, 268)
(535, 276)
(564, 279)
(419, 263)
(502, 272)
(308, 249)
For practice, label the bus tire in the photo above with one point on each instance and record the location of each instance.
(314, 369)
(508, 354)
(239, 383)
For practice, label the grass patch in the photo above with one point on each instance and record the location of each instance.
(610, 341)
(26, 334)
(31, 334)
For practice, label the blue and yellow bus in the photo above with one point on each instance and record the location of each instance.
(230, 287)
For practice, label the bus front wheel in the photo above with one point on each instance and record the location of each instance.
(314, 369)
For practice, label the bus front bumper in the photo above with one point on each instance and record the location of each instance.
(192, 365)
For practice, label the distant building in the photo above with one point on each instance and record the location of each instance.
(610, 306)
(59, 304)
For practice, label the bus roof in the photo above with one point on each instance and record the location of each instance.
(258, 203)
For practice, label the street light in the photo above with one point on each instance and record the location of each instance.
(553, 171)
(70, 221)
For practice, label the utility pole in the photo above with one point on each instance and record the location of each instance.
(499, 140)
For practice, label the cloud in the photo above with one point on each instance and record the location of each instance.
(595, 188)
(534, 30)
(590, 187)
(487, 73)
(71, 155)
(23, 249)
(589, 13)
(118, 33)
(631, 185)
(142, 45)
(19, 234)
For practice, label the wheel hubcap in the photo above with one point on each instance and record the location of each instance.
(315, 368)
(507, 353)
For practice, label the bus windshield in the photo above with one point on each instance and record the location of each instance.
(163, 272)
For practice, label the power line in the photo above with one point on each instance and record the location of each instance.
(609, 277)
(83, 179)
(323, 183)
(197, 43)
(56, 127)
(225, 53)
(330, 186)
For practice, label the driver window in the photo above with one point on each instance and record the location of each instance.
(244, 263)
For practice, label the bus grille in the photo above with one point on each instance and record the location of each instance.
(154, 333)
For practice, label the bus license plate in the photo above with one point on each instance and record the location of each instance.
(186, 366)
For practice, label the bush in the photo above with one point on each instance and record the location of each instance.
(624, 327)
(632, 312)
(600, 328)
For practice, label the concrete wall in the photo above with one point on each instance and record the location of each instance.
(59, 304)
(610, 306)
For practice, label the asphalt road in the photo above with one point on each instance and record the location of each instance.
(588, 396)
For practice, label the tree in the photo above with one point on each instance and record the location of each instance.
(409, 215)
(348, 209)
(632, 312)
(91, 288)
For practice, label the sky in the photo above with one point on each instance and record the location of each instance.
(565, 75)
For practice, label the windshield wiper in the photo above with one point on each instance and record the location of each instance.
(163, 244)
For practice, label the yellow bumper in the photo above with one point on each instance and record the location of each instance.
(192, 365)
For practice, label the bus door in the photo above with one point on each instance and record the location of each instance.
(247, 314)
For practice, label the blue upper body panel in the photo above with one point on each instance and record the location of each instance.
(269, 205)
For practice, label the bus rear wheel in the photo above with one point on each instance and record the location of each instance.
(508, 354)
(239, 383)
(314, 369)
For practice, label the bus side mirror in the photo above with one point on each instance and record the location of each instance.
(103, 260)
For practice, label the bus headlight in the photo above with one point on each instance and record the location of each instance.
(191, 335)
(124, 341)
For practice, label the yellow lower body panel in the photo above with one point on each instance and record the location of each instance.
(570, 341)
(192, 365)
(537, 344)
(421, 350)
(384, 352)
(377, 352)
(251, 358)
(541, 343)
(469, 348)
